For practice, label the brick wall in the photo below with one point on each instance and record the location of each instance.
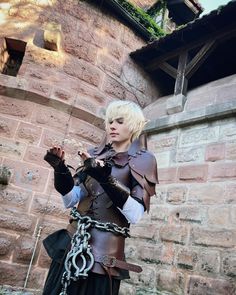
(58, 97)
(187, 243)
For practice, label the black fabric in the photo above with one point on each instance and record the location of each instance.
(57, 246)
(63, 183)
(63, 180)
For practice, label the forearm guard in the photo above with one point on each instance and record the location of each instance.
(63, 180)
(116, 191)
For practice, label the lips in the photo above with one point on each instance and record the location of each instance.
(113, 134)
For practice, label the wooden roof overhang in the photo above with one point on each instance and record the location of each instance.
(183, 52)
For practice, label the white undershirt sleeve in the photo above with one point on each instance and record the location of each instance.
(73, 197)
(132, 210)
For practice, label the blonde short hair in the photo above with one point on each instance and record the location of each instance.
(132, 114)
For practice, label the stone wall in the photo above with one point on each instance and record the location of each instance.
(187, 242)
(57, 97)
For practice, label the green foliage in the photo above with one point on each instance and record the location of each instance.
(143, 18)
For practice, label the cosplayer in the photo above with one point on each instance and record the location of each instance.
(111, 190)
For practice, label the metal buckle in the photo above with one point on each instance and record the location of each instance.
(109, 261)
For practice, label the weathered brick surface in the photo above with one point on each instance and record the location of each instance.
(194, 173)
(12, 148)
(221, 171)
(217, 238)
(7, 243)
(228, 264)
(29, 133)
(171, 281)
(215, 152)
(201, 285)
(16, 108)
(15, 198)
(7, 127)
(208, 194)
(28, 176)
(173, 233)
(55, 99)
(176, 194)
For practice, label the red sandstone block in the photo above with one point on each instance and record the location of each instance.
(49, 205)
(219, 216)
(43, 260)
(207, 194)
(150, 252)
(186, 258)
(17, 222)
(28, 176)
(42, 88)
(80, 49)
(7, 243)
(50, 138)
(17, 108)
(176, 194)
(228, 265)
(220, 171)
(208, 261)
(215, 238)
(11, 197)
(108, 64)
(64, 95)
(35, 155)
(12, 274)
(167, 175)
(50, 118)
(168, 253)
(230, 151)
(171, 281)
(23, 249)
(174, 233)
(114, 88)
(7, 127)
(115, 49)
(193, 173)
(29, 133)
(11, 148)
(215, 152)
(140, 231)
(198, 285)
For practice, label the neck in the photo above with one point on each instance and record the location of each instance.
(120, 147)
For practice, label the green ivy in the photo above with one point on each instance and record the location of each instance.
(143, 18)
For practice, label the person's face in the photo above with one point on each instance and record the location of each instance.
(118, 131)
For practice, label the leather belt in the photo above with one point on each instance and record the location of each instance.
(111, 261)
(106, 260)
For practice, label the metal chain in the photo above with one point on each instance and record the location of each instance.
(80, 259)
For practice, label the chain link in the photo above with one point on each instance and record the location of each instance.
(80, 259)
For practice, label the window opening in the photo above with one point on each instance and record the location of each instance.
(12, 54)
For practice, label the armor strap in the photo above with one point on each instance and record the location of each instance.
(111, 261)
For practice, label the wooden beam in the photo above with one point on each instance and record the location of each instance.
(199, 58)
(167, 68)
(221, 35)
(181, 80)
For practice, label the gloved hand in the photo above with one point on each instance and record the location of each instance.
(63, 180)
(101, 171)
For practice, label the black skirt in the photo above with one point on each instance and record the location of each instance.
(57, 246)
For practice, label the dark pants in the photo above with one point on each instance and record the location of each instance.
(57, 246)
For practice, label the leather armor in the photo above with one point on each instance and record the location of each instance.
(137, 170)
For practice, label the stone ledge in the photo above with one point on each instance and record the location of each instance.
(208, 113)
(17, 87)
